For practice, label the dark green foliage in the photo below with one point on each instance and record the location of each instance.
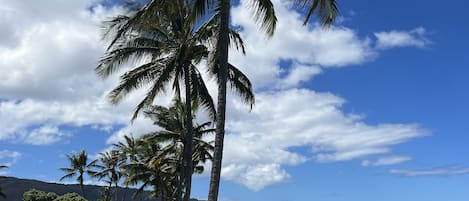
(155, 160)
(70, 197)
(36, 195)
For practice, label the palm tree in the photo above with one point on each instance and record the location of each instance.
(172, 121)
(155, 167)
(173, 48)
(174, 52)
(1, 192)
(129, 151)
(265, 14)
(109, 166)
(158, 159)
(79, 166)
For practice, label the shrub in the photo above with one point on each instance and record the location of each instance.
(70, 197)
(36, 195)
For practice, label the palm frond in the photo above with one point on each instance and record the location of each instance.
(68, 176)
(201, 93)
(134, 79)
(200, 7)
(326, 10)
(264, 14)
(241, 84)
(237, 41)
(158, 86)
(115, 59)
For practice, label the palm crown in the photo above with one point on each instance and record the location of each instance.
(79, 167)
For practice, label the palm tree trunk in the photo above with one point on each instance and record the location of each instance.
(82, 191)
(116, 193)
(125, 192)
(81, 185)
(222, 46)
(188, 138)
(110, 190)
(178, 192)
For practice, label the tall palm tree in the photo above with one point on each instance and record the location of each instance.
(265, 14)
(172, 47)
(79, 166)
(173, 53)
(1, 192)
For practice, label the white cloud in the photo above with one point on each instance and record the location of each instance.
(310, 46)
(8, 157)
(297, 74)
(388, 160)
(255, 177)
(432, 172)
(286, 119)
(56, 52)
(49, 59)
(44, 135)
(413, 38)
(50, 79)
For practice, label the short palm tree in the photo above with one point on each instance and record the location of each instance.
(79, 166)
(171, 120)
(156, 167)
(109, 168)
(129, 149)
(1, 192)
(158, 160)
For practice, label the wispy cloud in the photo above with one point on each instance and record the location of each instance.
(8, 157)
(413, 38)
(388, 160)
(432, 172)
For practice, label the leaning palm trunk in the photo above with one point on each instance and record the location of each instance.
(187, 159)
(222, 46)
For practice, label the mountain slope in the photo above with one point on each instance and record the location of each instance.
(15, 187)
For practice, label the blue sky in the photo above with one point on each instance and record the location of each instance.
(373, 109)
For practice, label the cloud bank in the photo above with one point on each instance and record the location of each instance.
(49, 59)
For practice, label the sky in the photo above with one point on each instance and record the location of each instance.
(374, 108)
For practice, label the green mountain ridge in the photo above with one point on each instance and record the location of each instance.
(15, 187)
